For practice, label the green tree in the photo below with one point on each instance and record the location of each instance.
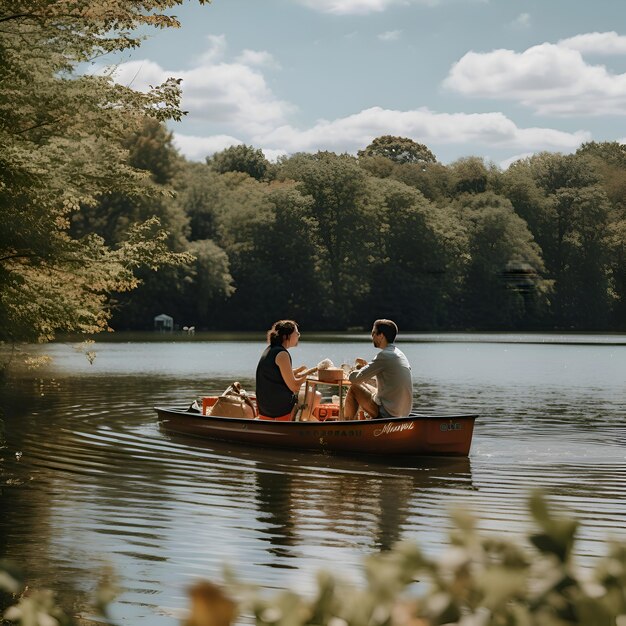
(60, 133)
(609, 161)
(610, 152)
(241, 158)
(616, 240)
(416, 261)
(528, 198)
(194, 293)
(200, 191)
(582, 294)
(563, 199)
(276, 263)
(173, 290)
(554, 171)
(503, 284)
(296, 252)
(470, 175)
(399, 150)
(244, 215)
(434, 180)
(377, 166)
(150, 148)
(341, 208)
(207, 284)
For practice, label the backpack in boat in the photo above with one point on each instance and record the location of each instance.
(234, 402)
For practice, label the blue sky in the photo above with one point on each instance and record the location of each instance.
(498, 79)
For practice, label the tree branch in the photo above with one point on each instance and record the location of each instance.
(16, 17)
(39, 125)
(21, 255)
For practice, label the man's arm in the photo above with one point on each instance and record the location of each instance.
(367, 372)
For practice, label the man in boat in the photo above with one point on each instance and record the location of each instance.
(392, 394)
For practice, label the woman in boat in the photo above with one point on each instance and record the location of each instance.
(277, 383)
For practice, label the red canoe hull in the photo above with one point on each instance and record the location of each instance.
(416, 435)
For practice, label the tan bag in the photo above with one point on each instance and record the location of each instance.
(234, 402)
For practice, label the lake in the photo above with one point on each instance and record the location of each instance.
(89, 480)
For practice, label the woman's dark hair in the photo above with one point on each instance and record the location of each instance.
(387, 328)
(280, 331)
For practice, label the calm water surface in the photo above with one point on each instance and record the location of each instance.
(97, 483)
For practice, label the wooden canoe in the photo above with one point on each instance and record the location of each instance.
(414, 435)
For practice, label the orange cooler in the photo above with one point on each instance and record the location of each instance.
(325, 412)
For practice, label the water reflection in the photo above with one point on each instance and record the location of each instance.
(276, 510)
(339, 498)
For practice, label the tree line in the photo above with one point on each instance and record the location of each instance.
(334, 240)
(105, 224)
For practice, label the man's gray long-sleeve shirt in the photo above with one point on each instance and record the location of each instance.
(393, 377)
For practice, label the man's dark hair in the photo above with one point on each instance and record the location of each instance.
(387, 328)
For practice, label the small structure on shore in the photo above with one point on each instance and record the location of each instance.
(164, 323)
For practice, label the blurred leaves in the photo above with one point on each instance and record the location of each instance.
(477, 581)
(37, 608)
(558, 533)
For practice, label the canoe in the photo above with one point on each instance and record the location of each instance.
(415, 435)
(421, 471)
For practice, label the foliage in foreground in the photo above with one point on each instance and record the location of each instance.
(478, 581)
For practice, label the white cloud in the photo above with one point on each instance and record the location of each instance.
(596, 43)
(215, 50)
(522, 20)
(273, 155)
(235, 97)
(259, 58)
(351, 133)
(197, 148)
(233, 94)
(349, 7)
(551, 79)
(359, 7)
(390, 35)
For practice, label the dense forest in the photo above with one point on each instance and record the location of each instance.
(335, 240)
(105, 224)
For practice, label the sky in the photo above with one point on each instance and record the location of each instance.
(498, 79)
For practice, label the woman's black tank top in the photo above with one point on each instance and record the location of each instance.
(273, 397)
